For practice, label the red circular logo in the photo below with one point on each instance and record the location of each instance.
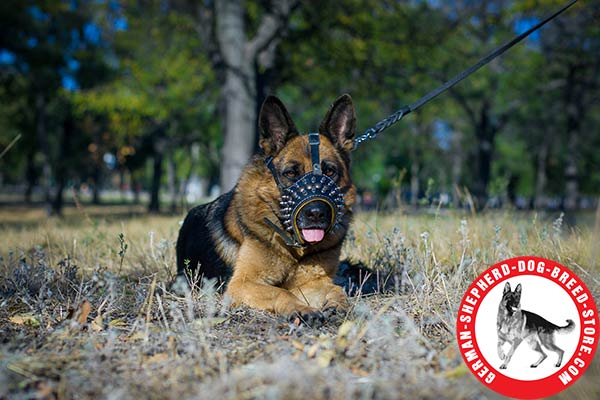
(527, 327)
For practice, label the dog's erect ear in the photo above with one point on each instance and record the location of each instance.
(340, 122)
(518, 292)
(506, 288)
(275, 125)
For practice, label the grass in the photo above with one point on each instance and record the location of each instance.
(85, 311)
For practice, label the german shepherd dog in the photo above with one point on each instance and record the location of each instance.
(229, 240)
(515, 325)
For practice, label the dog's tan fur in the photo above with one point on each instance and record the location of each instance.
(265, 272)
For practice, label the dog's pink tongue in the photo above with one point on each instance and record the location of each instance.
(313, 235)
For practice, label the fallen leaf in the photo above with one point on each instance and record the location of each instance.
(457, 372)
(82, 312)
(116, 323)
(358, 371)
(44, 391)
(298, 345)
(24, 319)
(158, 357)
(96, 324)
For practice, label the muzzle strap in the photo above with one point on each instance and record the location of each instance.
(289, 240)
(269, 163)
(315, 158)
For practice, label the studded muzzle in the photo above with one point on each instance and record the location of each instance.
(311, 187)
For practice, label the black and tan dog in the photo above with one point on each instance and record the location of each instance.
(515, 325)
(229, 240)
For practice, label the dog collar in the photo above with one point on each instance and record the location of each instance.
(311, 187)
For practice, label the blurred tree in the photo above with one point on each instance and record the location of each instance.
(379, 53)
(163, 96)
(244, 47)
(180, 70)
(571, 49)
(44, 47)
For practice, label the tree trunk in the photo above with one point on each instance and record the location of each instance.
(541, 175)
(30, 174)
(62, 164)
(159, 150)
(485, 135)
(457, 161)
(42, 137)
(239, 92)
(97, 178)
(414, 184)
(135, 185)
(122, 184)
(172, 180)
(574, 116)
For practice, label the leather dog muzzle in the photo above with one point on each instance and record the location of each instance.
(311, 187)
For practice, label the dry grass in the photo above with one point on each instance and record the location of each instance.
(138, 340)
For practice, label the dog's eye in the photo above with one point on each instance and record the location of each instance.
(329, 170)
(290, 173)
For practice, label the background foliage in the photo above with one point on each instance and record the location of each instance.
(131, 95)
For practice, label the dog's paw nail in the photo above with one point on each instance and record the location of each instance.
(503, 366)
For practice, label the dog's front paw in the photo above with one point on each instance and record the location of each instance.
(503, 366)
(533, 366)
(501, 354)
(558, 364)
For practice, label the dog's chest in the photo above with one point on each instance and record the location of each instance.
(511, 325)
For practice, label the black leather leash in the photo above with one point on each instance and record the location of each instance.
(385, 123)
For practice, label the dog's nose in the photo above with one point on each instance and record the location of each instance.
(315, 212)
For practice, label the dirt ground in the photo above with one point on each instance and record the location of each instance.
(86, 311)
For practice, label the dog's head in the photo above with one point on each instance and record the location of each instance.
(511, 300)
(291, 160)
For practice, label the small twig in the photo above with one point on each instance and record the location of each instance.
(16, 369)
(305, 299)
(162, 311)
(122, 251)
(149, 306)
(11, 144)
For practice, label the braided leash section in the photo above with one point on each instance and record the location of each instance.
(382, 125)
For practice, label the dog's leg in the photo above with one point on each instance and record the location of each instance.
(322, 293)
(266, 297)
(501, 341)
(511, 351)
(253, 283)
(313, 282)
(500, 350)
(548, 341)
(535, 345)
